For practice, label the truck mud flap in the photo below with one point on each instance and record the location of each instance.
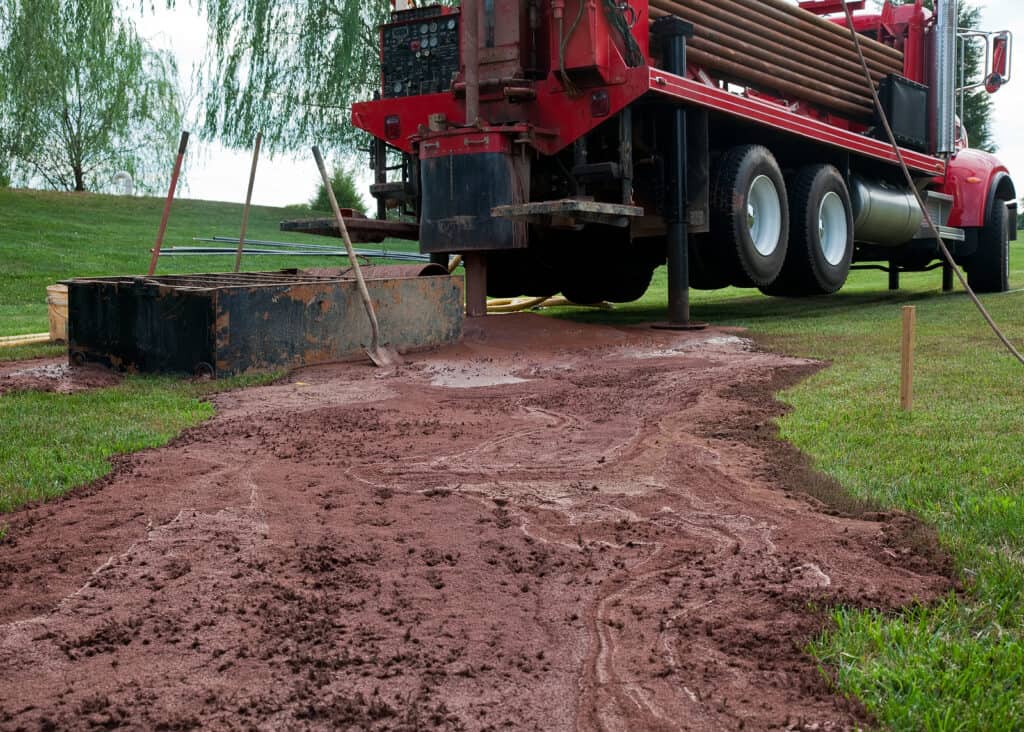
(459, 192)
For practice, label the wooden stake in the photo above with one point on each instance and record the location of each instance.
(907, 359)
(167, 204)
(248, 201)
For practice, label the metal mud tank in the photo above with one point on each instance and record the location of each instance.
(223, 324)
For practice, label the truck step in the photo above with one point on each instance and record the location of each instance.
(949, 233)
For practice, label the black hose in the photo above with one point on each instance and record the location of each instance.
(571, 89)
(634, 56)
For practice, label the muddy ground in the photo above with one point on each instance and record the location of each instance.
(53, 375)
(551, 526)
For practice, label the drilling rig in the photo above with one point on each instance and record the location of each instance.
(574, 146)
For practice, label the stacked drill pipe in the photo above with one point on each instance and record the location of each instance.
(778, 47)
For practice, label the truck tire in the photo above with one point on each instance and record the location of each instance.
(750, 215)
(600, 263)
(707, 271)
(516, 272)
(609, 278)
(988, 269)
(820, 235)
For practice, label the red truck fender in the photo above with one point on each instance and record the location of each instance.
(974, 179)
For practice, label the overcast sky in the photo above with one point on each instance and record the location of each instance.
(222, 175)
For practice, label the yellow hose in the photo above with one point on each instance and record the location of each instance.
(517, 305)
(24, 340)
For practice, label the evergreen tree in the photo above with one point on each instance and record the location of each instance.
(346, 191)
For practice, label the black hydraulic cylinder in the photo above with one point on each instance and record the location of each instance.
(673, 32)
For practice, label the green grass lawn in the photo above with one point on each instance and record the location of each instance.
(46, 237)
(50, 443)
(957, 460)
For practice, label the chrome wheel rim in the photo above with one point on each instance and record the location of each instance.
(832, 228)
(764, 215)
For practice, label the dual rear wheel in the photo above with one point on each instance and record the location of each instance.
(794, 242)
(821, 238)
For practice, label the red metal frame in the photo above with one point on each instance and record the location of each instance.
(557, 119)
(469, 141)
(781, 118)
(829, 7)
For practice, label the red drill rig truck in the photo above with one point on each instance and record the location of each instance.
(575, 145)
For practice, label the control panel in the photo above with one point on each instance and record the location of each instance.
(419, 51)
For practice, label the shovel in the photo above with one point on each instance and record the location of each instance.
(382, 356)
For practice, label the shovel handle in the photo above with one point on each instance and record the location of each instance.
(360, 282)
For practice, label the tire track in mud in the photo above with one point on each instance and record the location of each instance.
(609, 544)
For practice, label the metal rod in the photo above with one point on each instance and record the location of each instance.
(771, 81)
(182, 144)
(823, 29)
(787, 70)
(282, 244)
(217, 251)
(761, 14)
(471, 57)
(789, 58)
(744, 29)
(248, 201)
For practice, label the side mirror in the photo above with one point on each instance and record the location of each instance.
(1000, 63)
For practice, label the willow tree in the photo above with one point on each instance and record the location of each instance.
(291, 68)
(85, 97)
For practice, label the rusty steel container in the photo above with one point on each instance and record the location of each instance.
(225, 323)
